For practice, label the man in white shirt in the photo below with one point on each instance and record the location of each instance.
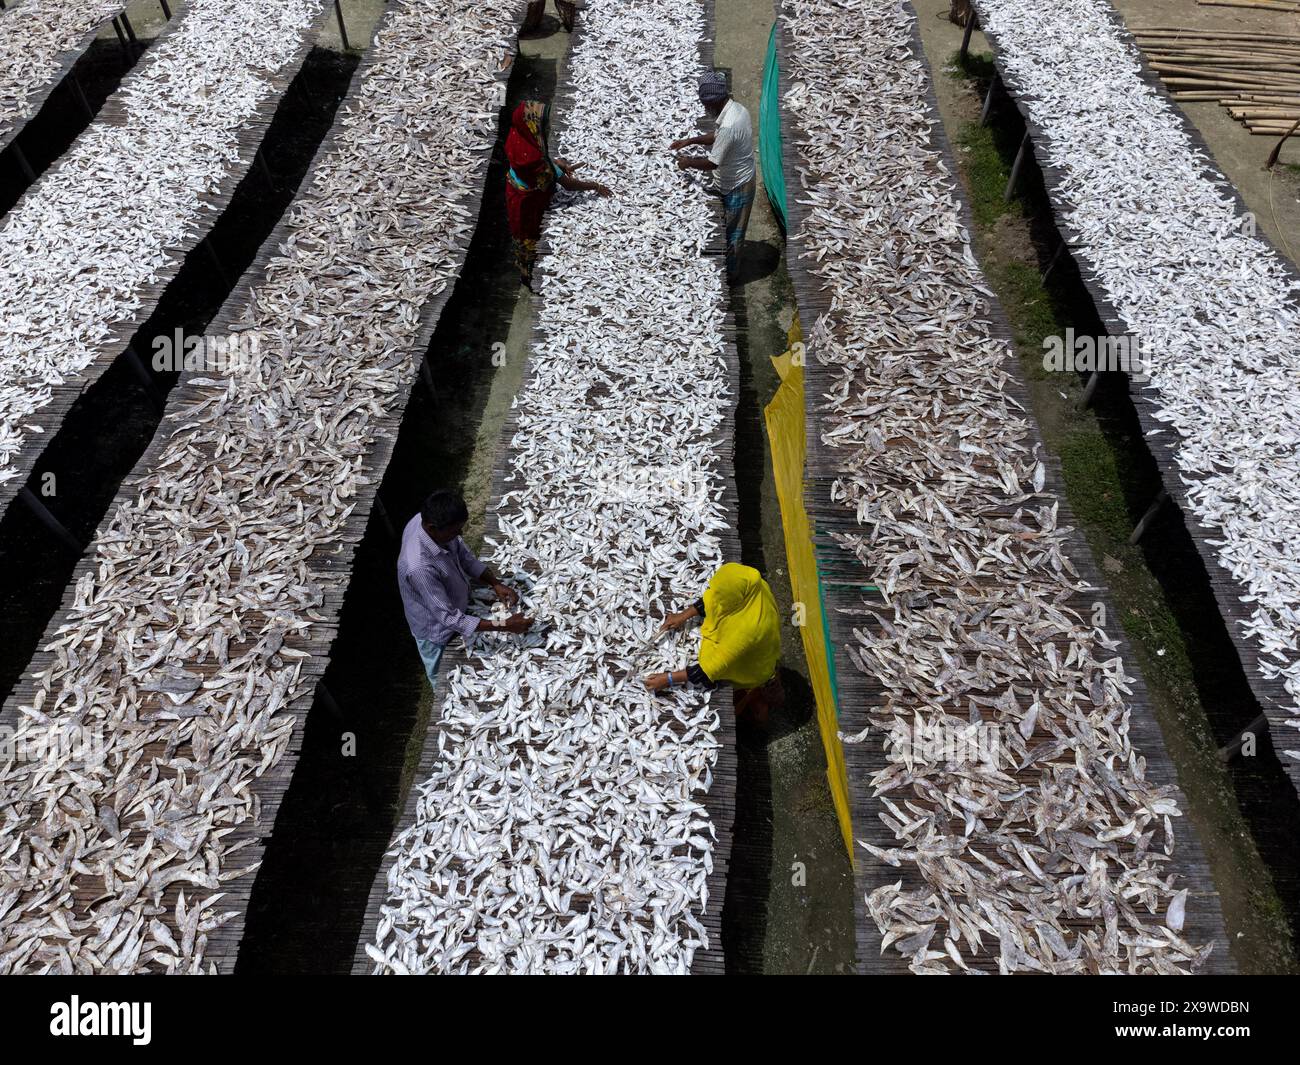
(731, 157)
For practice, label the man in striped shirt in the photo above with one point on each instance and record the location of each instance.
(434, 573)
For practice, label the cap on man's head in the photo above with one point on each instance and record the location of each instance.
(713, 87)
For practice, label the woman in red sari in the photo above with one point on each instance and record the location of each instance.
(531, 180)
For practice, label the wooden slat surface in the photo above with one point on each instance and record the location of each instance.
(846, 583)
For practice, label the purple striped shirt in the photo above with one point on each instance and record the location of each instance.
(435, 583)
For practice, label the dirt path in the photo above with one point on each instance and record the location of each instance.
(335, 823)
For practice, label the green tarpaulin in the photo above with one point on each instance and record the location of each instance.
(769, 132)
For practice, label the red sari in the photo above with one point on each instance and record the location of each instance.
(530, 182)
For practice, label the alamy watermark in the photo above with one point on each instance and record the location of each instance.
(1073, 353)
(180, 352)
(54, 745)
(943, 741)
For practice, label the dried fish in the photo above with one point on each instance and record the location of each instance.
(83, 253)
(562, 829)
(1034, 852)
(218, 554)
(39, 39)
(1213, 306)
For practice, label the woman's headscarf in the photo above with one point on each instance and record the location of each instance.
(526, 145)
(740, 638)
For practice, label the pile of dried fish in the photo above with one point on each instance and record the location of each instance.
(39, 39)
(1048, 851)
(184, 648)
(81, 254)
(562, 830)
(1214, 306)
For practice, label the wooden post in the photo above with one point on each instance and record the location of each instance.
(343, 30)
(75, 82)
(167, 11)
(1052, 264)
(1014, 180)
(1232, 748)
(1093, 379)
(965, 37)
(988, 102)
(328, 702)
(427, 375)
(266, 168)
(121, 38)
(382, 511)
(1149, 516)
(212, 254)
(130, 31)
(49, 520)
(24, 165)
(146, 379)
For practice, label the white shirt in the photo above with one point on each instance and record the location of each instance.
(733, 147)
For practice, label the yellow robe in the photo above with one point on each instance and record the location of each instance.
(740, 638)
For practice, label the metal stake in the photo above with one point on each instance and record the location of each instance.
(49, 520)
(1232, 748)
(343, 30)
(1149, 516)
(427, 374)
(965, 37)
(167, 11)
(1015, 169)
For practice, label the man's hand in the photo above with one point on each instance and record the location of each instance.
(675, 620)
(677, 146)
(505, 593)
(516, 623)
(657, 682)
(601, 190)
(683, 162)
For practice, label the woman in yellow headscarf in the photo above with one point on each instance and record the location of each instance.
(740, 636)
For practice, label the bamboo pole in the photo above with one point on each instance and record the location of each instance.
(1230, 84)
(1186, 34)
(1262, 5)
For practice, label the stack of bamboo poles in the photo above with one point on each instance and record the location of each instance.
(1255, 75)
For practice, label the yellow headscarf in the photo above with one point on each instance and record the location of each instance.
(740, 639)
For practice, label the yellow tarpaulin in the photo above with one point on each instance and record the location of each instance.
(785, 431)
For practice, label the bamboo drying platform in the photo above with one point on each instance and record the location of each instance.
(720, 800)
(62, 63)
(848, 585)
(1228, 593)
(64, 396)
(331, 570)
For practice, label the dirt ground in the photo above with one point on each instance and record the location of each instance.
(785, 814)
(335, 822)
